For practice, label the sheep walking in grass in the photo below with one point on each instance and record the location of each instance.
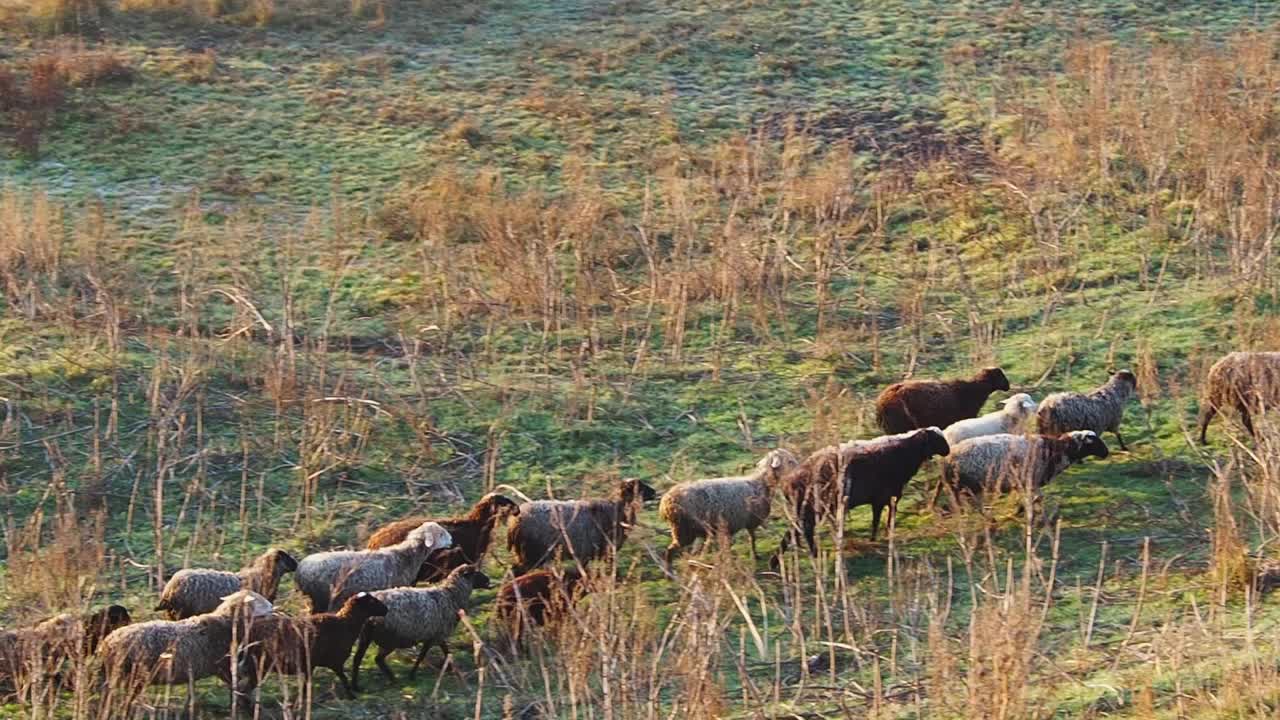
(1010, 462)
(538, 599)
(424, 617)
(299, 645)
(917, 404)
(43, 647)
(175, 652)
(1247, 382)
(1011, 418)
(196, 591)
(329, 578)
(471, 534)
(579, 529)
(700, 508)
(1099, 410)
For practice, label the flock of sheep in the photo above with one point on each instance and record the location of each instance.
(223, 624)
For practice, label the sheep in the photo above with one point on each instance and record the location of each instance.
(471, 534)
(417, 616)
(329, 578)
(50, 641)
(919, 404)
(583, 529)
(537, 598)
(1010, 418)
(297, 646)
(699, 508)
(1007, 462)
(194, 591)
(1246, 381)
(1100, 410)
(875, 473)
(175, 652)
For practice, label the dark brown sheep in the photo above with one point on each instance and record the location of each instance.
(919, 404)
(579, 529)
(471, 534)
(537, 598)
(299, 645)
(875, 473)
(53, 640)
(1248, 382)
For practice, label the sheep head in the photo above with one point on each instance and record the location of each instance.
(1085, 443)
(935, 441)
(1021, 405)
(430, 536)
(777, 463)
(284, 562)
(994, 378)
(632, 489)
(247, 602)
(1127, 377)
(363, 604)
(497, 502)
(473, 574)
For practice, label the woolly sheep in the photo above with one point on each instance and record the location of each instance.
(174, 652)
(196, 591)
(537, 598)
(48, 643)
(1249, 382)
(919, 404)
(1010, 418)
(329, 578)
(1100, 410)
(297, 646)
(471, 534)
(1016, 461)
(417, 616)
(582, 529)
(875, 473)
(699, 508)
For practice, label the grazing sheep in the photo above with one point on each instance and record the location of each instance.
(537, 598)
(197, 591)
(297, 646)
(700, 508)
(471, 534)
(417, 616)
(1007, 462)
(50, 641)
(1100, 410)
(1246, 381)
(329, 578)
(875, 473)
(1010, 418)
(591, 527)
(174, 652)
(919, 404)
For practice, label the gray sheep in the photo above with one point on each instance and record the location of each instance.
(1248, 382)
(700, 508)
(329, 578)
(196, 591)
(1006, 462)
(1100, 410)
(417, 616)
(175, 652)
(580, 529)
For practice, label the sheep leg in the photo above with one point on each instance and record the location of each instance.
(347, 687)
(422, 655)
(876, 509)
(752, 534)
(1245, 419)
(1116, 431)
(672, 549)
(365, 639)
(1206, 416)
(810, 524)
(380, 660)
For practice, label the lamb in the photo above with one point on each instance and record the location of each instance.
(919, 404)
(329, 578)
(537, 598)
(582, 529)
(50, 641)
(875, 473)
(700, 508)
(1007, 462)
(175, 652)
(297, 646)
(197, 591)
(1011, 418)
(1246, 381)
(470, 532)
(1100, 410)
(417, 616)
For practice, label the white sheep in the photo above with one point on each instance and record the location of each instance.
(329, 578)
(1010, 418)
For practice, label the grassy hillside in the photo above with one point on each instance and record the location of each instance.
(277, 275)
